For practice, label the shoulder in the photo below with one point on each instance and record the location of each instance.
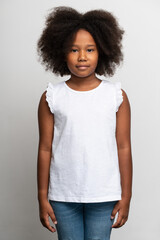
(125, 98)
(121, 96)
(124, 93)
(48, 97)
(43, 105)
(54, 87)
(43, 96)
(42, 99)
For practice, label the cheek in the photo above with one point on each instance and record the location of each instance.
(70, 60)
(96, 59)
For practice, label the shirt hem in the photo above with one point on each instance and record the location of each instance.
(85, 199)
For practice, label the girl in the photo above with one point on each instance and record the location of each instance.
(84, 169)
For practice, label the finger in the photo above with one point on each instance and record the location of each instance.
(122, 223)
(49, 227)
(53, 218)
(118, 222)
(115, 210)
(46, 224)
(124, 220)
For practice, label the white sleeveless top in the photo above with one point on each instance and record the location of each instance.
(84, 163)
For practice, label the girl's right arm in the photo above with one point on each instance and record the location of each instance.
(46, 126)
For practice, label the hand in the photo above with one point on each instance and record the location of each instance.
(122, 207)
(46, 211)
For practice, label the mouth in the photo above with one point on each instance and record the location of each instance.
(82, 66)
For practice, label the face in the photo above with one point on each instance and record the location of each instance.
(82, 56)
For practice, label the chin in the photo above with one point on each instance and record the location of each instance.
(82, 74)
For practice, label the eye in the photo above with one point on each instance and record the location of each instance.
(91, 50)
(74, 50)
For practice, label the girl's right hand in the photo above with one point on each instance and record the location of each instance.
(46, 211)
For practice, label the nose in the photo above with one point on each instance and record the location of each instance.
(82, 56)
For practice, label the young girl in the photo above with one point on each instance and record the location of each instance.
(84, 169)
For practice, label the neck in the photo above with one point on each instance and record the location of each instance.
(83, 81)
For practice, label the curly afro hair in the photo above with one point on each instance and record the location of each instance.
(62, 24)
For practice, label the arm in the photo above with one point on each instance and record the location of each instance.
(125, 161)
(46, 126)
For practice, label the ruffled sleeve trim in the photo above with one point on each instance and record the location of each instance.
(49, 96)
(119, 95)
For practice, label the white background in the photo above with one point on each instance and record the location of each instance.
(23, 80)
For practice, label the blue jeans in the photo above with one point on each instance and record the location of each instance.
(83, 221)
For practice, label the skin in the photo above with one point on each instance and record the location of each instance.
(83, 80)
(123, 118)
(83, 51)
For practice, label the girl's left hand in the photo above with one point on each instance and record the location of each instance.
(122, 207)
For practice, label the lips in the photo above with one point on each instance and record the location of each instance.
(82, 66)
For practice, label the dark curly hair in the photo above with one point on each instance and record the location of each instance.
(62, 24)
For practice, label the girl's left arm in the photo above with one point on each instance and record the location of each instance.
(123, 128)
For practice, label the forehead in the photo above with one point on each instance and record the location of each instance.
(83, 37)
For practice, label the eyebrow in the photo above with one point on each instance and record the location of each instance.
(89, 45)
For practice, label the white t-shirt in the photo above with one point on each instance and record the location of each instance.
(84, 163)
